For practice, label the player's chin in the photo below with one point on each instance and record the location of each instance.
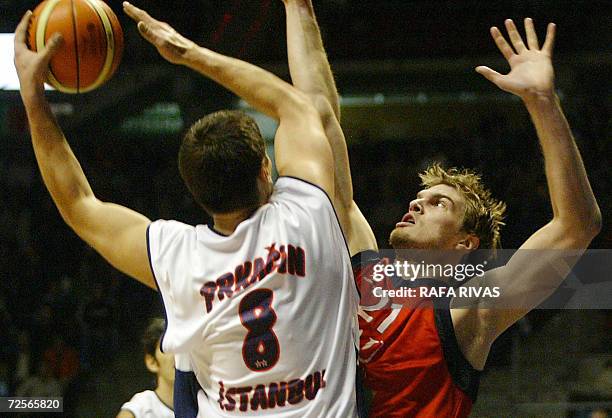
(400, 238)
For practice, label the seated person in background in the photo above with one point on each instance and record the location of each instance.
(154, 403)
(42, 384)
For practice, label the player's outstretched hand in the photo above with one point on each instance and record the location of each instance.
(171, 45)
(33, 67)
(531, 71)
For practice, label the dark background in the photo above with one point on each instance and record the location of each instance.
(409, 64)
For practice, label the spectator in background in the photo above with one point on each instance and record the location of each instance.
(24, 358)
(99, 328)
(154, 403)
(5, 378)
(42, 329)
(63, 360)
(41, 384)
(599, 413)
(63, 300)
(8, 348)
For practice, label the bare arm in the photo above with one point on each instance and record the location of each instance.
(117, 233)
(124, 413)
(311, 73)
(301, 149)
(529, 277)
(308, 64)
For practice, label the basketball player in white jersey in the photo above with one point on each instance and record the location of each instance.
(264, 303)
(154, 403)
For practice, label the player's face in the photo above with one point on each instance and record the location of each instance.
(165, 363)
(434, 220)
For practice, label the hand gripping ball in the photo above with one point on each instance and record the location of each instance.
(93, 42)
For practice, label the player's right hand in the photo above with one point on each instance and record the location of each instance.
(169, 43)
(33, 67)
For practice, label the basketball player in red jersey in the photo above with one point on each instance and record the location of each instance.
(425, 361)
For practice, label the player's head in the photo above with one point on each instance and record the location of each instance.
(224, 164)
(161, 364)
(453, 212)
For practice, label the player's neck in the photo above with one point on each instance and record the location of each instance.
(226, 223)
(165, 392)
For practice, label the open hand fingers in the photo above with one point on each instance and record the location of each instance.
(515, 37)
(21, 31)
(501, 43)
(138, 15)
(532, 37)
(148, 33)
(549, 43)
(489, 74)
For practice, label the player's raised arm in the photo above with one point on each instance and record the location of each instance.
(117, 233)
(311, 73)
(308, 63)
(530, 277)
(301, 149)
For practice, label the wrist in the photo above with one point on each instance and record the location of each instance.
(31, 93)
(535, 97)
(193, 56)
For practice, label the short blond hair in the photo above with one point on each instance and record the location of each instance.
(484, 214)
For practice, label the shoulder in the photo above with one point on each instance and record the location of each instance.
(363, 264)
(298, 202)
(125, 413)
(163, 233)
(293, 188)
(138, 402)
(144, 395)
(365, 259)
(168, 227)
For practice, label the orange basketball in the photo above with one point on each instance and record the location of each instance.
(93, 42)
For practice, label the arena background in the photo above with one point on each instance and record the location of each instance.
(410, 96)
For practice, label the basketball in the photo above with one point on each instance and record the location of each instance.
(93, 42)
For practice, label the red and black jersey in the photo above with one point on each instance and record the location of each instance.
(409, 353)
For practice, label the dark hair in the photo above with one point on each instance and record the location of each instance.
(152, 335)
(220, 159)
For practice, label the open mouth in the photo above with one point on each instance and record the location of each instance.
(407, 220)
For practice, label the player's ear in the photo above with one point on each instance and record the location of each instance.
(469, 242)
(266, 169)
(151, 363)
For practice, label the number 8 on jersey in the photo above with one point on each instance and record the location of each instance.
(260, 350)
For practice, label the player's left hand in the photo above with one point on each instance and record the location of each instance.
(33, 67)
(169, 43)
(531, 71)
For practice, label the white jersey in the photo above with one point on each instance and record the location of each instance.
(148, 405)
(267, 314)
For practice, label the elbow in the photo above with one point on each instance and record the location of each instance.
(592, 223)
(583, 228)
(596, 222)
(75, 215)
(70, 218)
